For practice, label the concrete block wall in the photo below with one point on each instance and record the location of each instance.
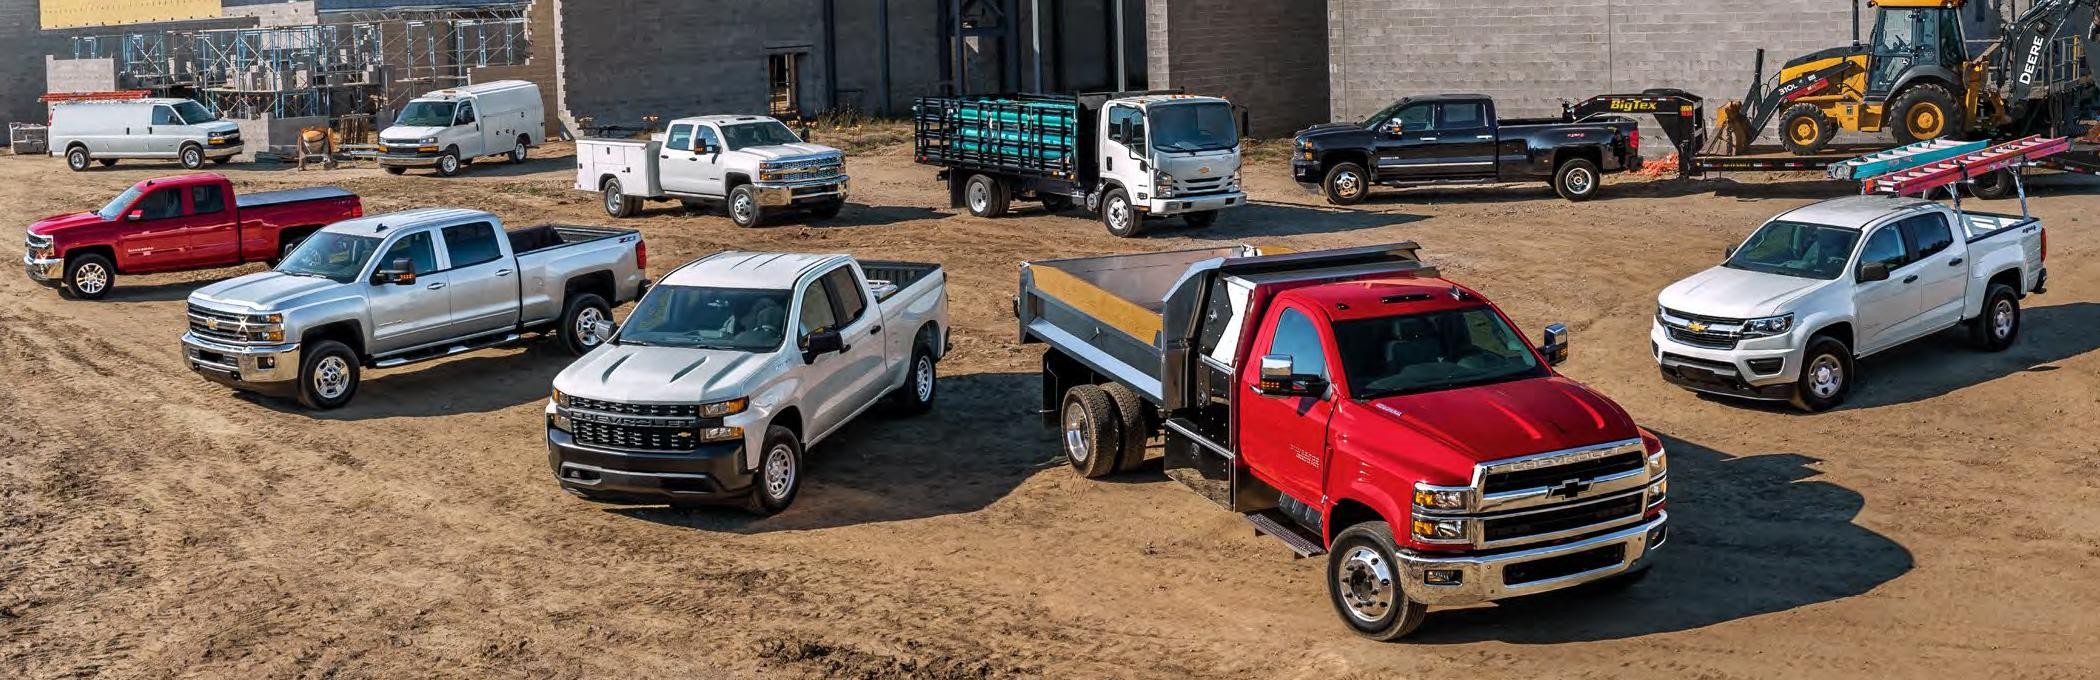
(625, 59)
(1529, 55)
(21, 72)
(543, 32)
(1269, 56)
(915, 54)
(80, 75)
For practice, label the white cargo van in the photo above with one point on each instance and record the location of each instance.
(163, 129)
(449, 128)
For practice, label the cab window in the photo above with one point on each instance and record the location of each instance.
(1885, 247)
(1461, 116)
(1296, 336)
(1414, 118)
(207, 199)
(847, 291)
(417, 249)
(163, 115)
(160, 205)
(466, 113)
(706, 139)
(816, 313)
(1927, 235)
(472, 244)
(1122, 117)
(681, 138)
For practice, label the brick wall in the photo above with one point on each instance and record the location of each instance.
(1269, 56)
(542, 33)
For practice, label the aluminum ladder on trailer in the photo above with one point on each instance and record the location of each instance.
(1903, 158)
(1922, 179)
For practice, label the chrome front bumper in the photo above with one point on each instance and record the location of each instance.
(778, 194)
(222, 150)
(1204, 203)
(49, 272)
(1486, 578)
(248, 367)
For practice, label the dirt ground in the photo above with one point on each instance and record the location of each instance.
(153, 524)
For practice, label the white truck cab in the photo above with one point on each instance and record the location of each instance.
(753, 165)
(448, 129)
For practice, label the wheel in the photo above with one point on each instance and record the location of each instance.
(1993, 186)
(744, 209)
(395, 170)
(920, 383)
(618, 203)
(1200, 220)
(1131, 428)
(77, 159)
(1346, 184)
(449, 164)
(191, 156)
(1577, 179)
(222, 160)
(1924, 112)
(779, 475)
(328, 376)
(1121, 218)
(1999, 325)
(1363, 582)
(1089, 430)
(580, 323)
(828, 210)
(285, 248)
(517, 153)
(1804, 130)
(1826, 375)
(986, 197)
(107, 162)
(90, 276)
(1056, 203)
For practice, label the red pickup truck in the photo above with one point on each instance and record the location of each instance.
(1351, 402)
(177, 224)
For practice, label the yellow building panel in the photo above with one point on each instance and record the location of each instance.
(78, 13)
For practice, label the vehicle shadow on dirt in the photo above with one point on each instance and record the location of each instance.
(980, 441)
(176, 291)
(480, 382)
(1946, 362)
(1750, 535)
(1276, 218)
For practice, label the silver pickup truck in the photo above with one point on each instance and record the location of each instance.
(410, 286)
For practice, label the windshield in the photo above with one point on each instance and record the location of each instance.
(768, 133)
(1811, 251)
(1194, 127)
(337, 257)
(115, 207)
(741, 319)
(1434, 351)
(194, 113)
(426, 114)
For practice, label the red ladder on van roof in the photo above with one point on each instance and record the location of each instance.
(1925, 178)
(117, 95)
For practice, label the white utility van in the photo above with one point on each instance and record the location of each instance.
(449, 128)
(162, 129)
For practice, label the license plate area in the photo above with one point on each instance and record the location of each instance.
(1563, 565)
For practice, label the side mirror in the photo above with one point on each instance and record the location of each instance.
(401, 272)
(1280, 378)
(1873, 271)
(709, 149)
(1729, 253)
(135, 216)
(821, 343)
(1555, 344)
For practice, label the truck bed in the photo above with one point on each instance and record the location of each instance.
(1977, 226)
(887, 278)
(265, 199)
(533, 239)
(1026, 135)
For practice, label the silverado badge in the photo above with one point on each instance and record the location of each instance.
(1696, 327)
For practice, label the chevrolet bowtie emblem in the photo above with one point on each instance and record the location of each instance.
(211, 324)
(1696, 327)
(1205, 170)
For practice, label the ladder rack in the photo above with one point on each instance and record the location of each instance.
(1933, 175)
(1903, 158)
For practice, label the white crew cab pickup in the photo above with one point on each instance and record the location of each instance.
(733, 365)
(1786, 315)
(754, 165)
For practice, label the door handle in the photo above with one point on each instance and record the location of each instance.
(877, 328)
(503, 272)
(1911, 278)
(664, 156)
(1955, 263)
(440, 285)
(1429, 139)
(1484, 137)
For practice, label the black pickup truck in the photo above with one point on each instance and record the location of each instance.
(1455, 138)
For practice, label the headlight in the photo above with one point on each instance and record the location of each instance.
(1438, 498)
(722, 409)
(721, 434)
(1659, 490)
(1440, 530)
(1658, 463)
(427, 140)
(1771, 325)
(561, 421)
(1233, 185)
(560, 399)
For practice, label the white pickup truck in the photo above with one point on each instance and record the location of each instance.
(1818, 287)
(754, 165)
(733, 365)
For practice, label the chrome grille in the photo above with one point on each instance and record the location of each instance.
(815, 168)
(1563, 519)
(1584, 470)
(1699, 330)
(227, 327)
(1200, 186)
(636, 438)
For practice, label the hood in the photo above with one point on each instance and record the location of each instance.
(1506, 420)
(780, 151)
(226, 126)
(55, 225)
(1736, 293)
(265, 292)
(1337, 134)
(1199, 165)
(409, 133)
(662, 375)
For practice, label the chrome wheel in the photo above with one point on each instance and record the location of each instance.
(613, 198)
(590, 326)
(448, 164)
(922, 378)
(192, 158)
(740, 208)
(331, 377)
(980, 197)
(1075, 433)
(1119, 213)
(1348, 184)
(1580, 181)
(90, 278)
(2003, 317)
(1365, 580)
(1826, 376)
(780, 471)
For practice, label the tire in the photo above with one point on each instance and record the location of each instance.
(1577, 180)
(744, 209)
(1999, 325)
(1131, 429)
(77, 159)
(779, 476)
(1817, 390)
(617, 203)
(1200, 220)
(191, 157)
(396, 170)
(1924, 112)
(106, 162)
(449, 164)
(1804, 130)
(90, 276)
(828, 210)
(1122, 219)
(921, 383)
(577, 318)
(986, 197)
(1057, 203)
(1088, 431)
(1993, 186)
(284, 249)
(1363, 584)
(222, 160)
(1346, 184)
(328, 376)
(519, 152)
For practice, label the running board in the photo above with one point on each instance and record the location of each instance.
(1274, 523)
(445, 351)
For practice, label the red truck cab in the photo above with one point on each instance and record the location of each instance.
(181, 223)
(1354, 403)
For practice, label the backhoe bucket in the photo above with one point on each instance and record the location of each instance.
(1732, 134)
